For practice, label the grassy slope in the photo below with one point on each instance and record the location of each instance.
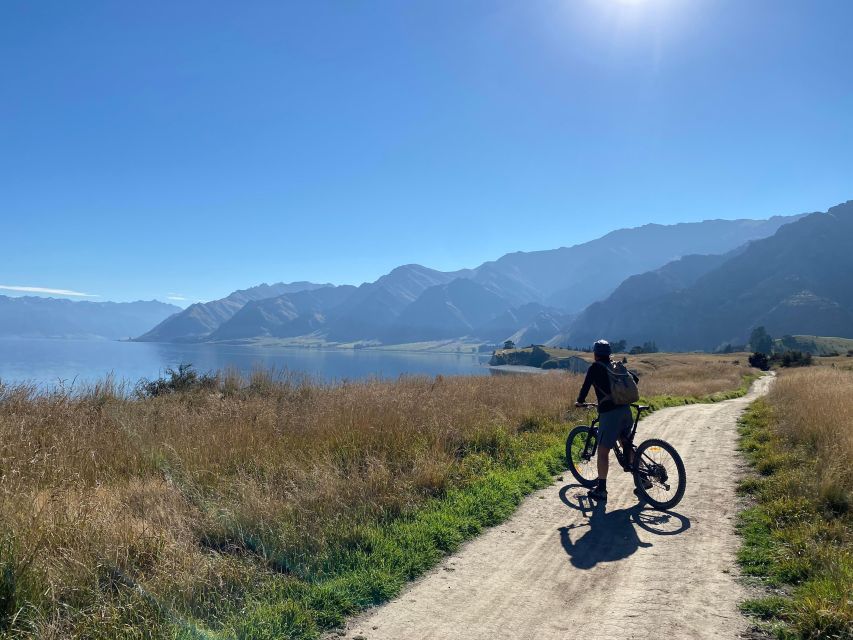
(382, 558)
(797, 535)
(817, 345)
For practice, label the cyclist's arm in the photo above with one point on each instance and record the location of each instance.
(587, 383)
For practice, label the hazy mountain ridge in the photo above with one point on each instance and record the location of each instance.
(796, 281)
(633, 299)
(571, 278)
(285, 316)
(39, 317)
(376, 305)
(452, 310)
(199, 320)
(513, 321)
(492, 302)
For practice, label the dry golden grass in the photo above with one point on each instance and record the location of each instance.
(197, 497)
(798, 533)
(844, 362)
(689, 375)
(814, 406)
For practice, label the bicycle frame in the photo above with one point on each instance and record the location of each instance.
(588, 451)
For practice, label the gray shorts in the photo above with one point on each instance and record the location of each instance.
(614, 423)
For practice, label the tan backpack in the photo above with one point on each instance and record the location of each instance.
(623, 389)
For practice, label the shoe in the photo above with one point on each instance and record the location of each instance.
(597, 493)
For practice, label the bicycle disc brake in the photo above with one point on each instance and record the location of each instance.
(657, 472)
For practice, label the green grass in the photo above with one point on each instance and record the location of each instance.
(795, 541)
(376, 561)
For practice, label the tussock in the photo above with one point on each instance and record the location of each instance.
(798, 534)
(814, 407)
(119, 512)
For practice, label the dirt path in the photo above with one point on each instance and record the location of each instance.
(561, 569)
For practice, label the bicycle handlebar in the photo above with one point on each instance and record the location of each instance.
(593, 405)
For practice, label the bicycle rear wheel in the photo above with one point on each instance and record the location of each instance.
(580, 454)
(658, 465)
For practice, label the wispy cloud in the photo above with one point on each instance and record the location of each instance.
(56, 292)
(176, 296)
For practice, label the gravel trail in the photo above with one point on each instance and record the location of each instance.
(562, 567)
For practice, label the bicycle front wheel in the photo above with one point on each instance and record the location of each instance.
(659, 474)
(580, 454)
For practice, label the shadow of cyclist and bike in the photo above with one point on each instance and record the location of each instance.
(612, 535)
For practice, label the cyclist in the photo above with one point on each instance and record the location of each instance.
(615, 421)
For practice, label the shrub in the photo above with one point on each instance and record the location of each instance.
(759, 361)
(184, 379)
(792, 359)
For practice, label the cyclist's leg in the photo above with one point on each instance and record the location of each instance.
(626, 423)
(609, 429)
(603, 461)
(627, 451)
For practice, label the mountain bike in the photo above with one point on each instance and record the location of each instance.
(657, 468)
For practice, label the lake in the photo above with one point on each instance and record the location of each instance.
(52, 362)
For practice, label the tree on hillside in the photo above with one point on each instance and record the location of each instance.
(760, 341)
(647, 347)
(619, 346)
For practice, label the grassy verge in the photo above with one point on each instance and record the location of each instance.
(797, 537)
(379, 560)
(662, 401)
(261, 508)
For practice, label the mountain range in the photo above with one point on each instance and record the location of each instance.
(199, 320)
(36, 317)
(685, 286)
(797, 281)
(522, 296)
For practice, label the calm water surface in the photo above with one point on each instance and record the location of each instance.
(53, 362)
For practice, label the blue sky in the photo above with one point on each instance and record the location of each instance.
(186, 149)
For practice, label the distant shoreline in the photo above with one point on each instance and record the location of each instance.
(517, 369)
